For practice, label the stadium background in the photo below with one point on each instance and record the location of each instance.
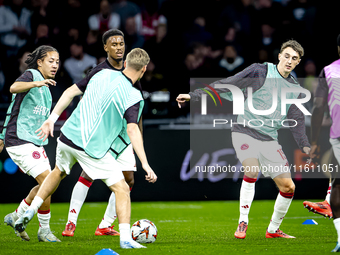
(184, 39)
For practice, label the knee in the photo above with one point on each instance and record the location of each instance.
(57, 172)
(120, 187)
(252, 175)
(63, 175)
(130, 182)
(41, 177)
(288, 188)
(129, 178)
(85, 176)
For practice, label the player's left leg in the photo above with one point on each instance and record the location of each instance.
(123, 207)
(46, 189)
(274, 164)
(287, 187)
(116, 182)
(247, 192)
(37, 165)
(127, 163)
(247, 149)
(105, 227)
(78, 197)
(44, 215)
(11, 218)
(66, 157)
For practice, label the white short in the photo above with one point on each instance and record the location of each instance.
(272, 160)
(31, 159)
(127, 160)
(107, 168)
(336, 148)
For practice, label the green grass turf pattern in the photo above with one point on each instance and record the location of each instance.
(183, 228)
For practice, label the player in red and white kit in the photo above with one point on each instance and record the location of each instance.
(257, 147)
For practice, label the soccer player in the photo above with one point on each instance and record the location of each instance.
(104, 120)
(257, 147)
(114, 45)
(30, 107)
(326, 92)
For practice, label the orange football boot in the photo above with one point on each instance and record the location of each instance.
(278, 233)
(241, 230)
(106, 232)
(69, 229)
(322, 208)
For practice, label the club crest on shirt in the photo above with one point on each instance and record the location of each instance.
(36, 155)
(244, 146)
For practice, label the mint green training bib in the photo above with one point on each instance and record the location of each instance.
(98, 120)
(262, 99)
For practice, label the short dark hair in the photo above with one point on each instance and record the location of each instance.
(38, 53)
(111, 32)
(294, 45)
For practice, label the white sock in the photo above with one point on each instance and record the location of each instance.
(125, 232)
(78, 197)
(36, 203)
(246, 198)
(22, 208)
(110, 213)
(337, 227)
(281, 207)
(328, 196)
(44, 218)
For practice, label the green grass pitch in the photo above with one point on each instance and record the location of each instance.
(183, 228)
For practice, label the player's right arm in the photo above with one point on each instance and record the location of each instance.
(135, 135)
(25, 82)
(137, 144)
(19, 87)
(64, 101)
(254, 76)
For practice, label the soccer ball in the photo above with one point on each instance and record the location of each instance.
(144, 231)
